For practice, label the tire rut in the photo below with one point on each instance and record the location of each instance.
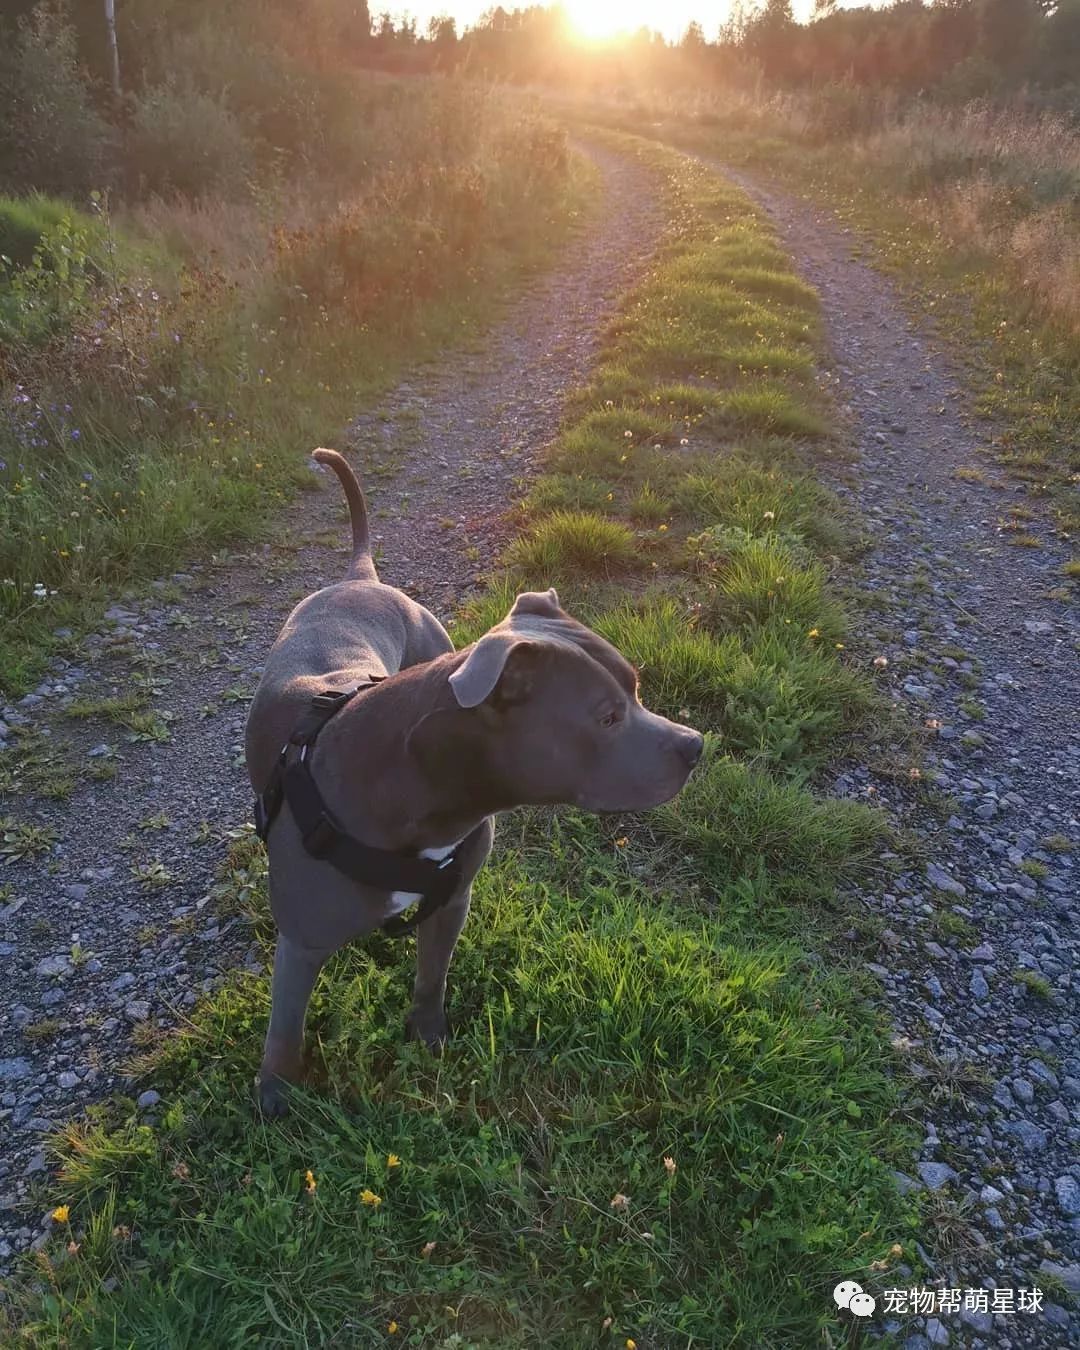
(979, 945)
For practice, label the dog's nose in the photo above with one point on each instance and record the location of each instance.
(691, 747)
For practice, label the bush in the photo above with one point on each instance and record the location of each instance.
(53, 138)
(185, 142)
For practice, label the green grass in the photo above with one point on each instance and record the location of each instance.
(1033, 982)
(24, 220)
(565, 541)
(667, 1101)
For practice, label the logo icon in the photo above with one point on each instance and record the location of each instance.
(850, 1295)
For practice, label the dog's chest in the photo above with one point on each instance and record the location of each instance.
(400, 900)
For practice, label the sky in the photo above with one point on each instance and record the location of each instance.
(594, 16)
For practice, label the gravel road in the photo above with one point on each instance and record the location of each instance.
(113, 933)
(978, 946)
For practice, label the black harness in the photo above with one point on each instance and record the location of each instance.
(324, 838)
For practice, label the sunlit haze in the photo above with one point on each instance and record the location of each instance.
(594, 18)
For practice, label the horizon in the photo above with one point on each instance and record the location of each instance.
(597, 19)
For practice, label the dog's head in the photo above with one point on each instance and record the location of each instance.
(546, 711)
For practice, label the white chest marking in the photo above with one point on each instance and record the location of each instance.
(400, 900)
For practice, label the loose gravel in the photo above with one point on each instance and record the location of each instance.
(975, 639)
(111, 935)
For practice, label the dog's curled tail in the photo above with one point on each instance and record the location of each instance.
(362, 566)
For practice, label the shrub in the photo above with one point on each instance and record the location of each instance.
(183, 141)
(53, 139)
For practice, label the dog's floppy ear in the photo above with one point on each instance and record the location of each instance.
(537, 602)
(498, 660)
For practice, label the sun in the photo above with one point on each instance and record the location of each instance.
(596, 20)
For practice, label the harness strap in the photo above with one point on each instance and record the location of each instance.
(384, 870)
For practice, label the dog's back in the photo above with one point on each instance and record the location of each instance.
(335, 638)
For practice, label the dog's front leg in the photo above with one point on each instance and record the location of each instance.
(435, 941)
(296, 969)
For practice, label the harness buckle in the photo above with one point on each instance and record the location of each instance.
(320, 838)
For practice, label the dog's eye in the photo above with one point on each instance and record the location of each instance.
(609, 719)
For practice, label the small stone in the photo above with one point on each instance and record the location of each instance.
(977, 1321)
(68, 1080)
(935, 1174)
(148, 1099)
(53, 965)
(1068, 1275)
(979, 987)
(14, 1070)
(937, 876)
(1068, 1194)
(1029, 1136)
(936, 1333)
(1023, 1091)
(138, 1010)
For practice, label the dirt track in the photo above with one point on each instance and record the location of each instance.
(985, 658)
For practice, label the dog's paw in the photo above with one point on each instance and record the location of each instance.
(272, 1097)
(432, 1030)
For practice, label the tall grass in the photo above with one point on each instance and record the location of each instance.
(998, 179)
(162, 369)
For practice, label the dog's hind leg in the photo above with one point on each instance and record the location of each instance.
(296, 969)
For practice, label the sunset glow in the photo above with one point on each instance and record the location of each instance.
(596, 20)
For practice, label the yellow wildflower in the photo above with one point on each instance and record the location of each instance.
(392, 1160)
(620, 1201)
(814, 632)
(370, 1198)
(61, 1214)
(309, 1181)
(392, 1329)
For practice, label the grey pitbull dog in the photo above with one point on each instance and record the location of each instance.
(540, 711)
